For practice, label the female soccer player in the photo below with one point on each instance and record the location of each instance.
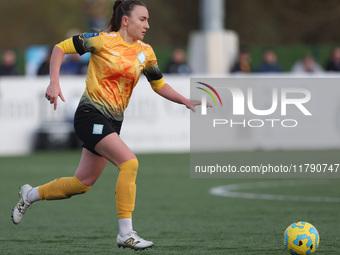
(118, 57)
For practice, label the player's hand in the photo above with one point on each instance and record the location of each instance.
(53, 91)
(193, 103)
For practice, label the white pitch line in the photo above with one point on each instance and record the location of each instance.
(232, 190)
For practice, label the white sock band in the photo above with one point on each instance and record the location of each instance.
(33, 195)
(125, 226)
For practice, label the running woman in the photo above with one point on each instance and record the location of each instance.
(118, 57)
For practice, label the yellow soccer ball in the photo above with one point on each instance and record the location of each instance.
(301, 238)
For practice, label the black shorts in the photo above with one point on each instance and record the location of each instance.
(91, 126)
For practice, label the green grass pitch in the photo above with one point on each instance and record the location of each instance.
(173, 210)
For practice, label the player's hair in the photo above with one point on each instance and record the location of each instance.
(121, 8)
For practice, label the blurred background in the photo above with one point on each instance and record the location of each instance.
(292, 28)
(190, 38)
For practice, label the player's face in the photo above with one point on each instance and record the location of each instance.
(137, 23)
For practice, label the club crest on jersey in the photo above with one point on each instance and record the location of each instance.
(141, 57)
(89, 35)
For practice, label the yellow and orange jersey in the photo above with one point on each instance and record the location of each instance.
(114, 69)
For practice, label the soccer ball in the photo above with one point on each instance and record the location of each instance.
(301, 238)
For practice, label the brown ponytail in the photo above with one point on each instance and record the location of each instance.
(121, 8)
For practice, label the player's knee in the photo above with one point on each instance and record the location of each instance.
(129, 166)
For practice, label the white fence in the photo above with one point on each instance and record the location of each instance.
(152, 124)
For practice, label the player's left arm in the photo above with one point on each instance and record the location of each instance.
(163, 89)
(155, 77)
(169, 93)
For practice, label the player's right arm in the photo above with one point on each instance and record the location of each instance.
(53, 91)
(87, 42)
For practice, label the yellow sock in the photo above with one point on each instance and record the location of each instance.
(62, 188)
(126, 188)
